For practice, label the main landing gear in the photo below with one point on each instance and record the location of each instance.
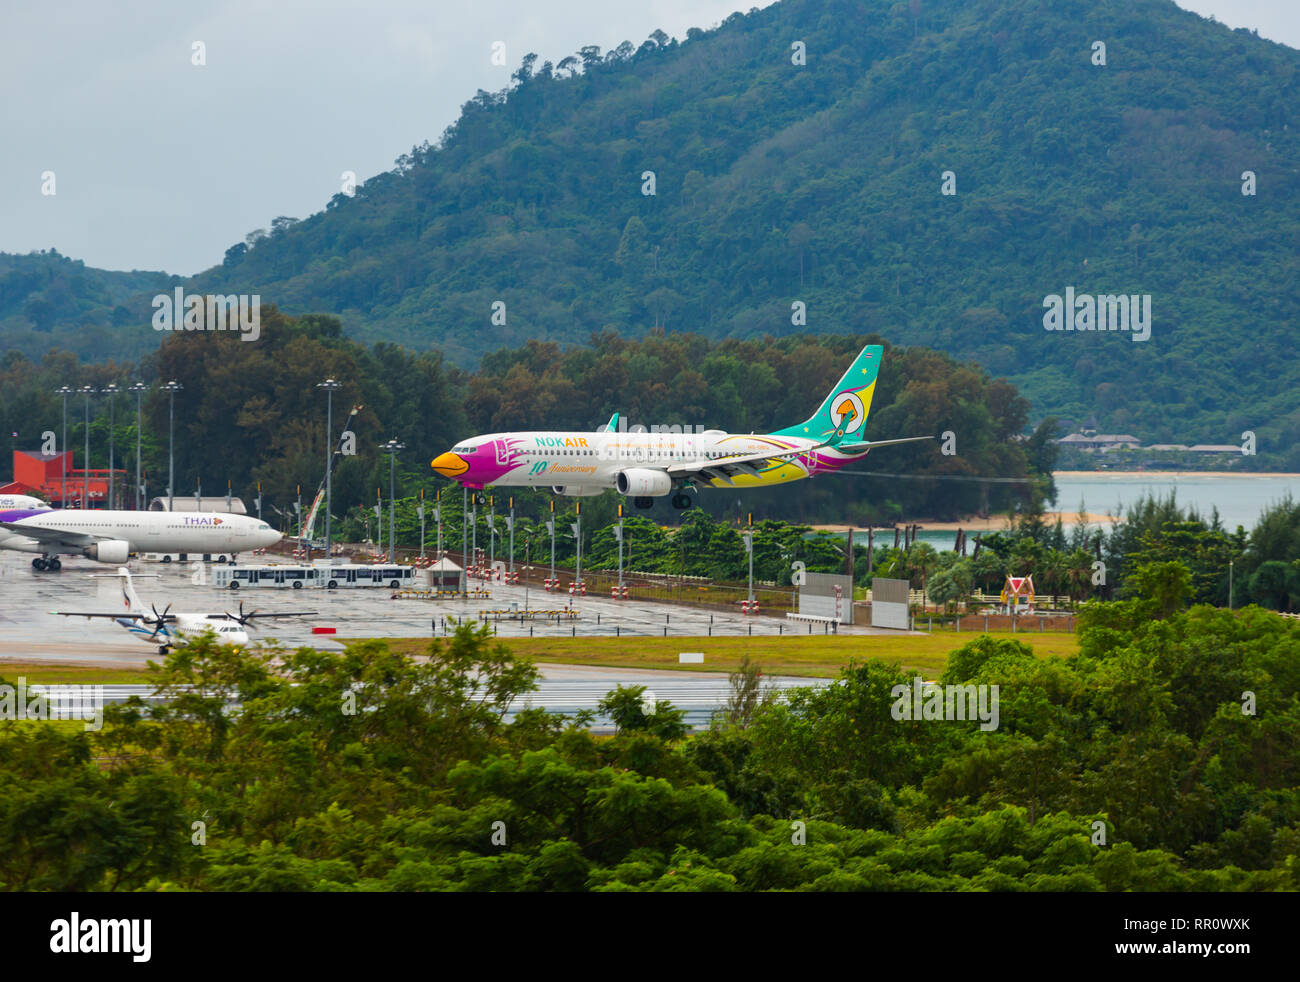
(50, 563)
(681, 501)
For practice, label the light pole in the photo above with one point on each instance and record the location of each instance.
(392, 446)
(111, 390)
(577, 537)
(171, 388)
(1230, 584)
(420, 511)
(437, 517)
(510, 524)
(464, 526)
(64, 391)
(550, 527)
(748, 535)
(329, 385)
(138, 389)
(618, 534)
(87, 391)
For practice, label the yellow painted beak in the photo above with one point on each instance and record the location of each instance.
(449, 465)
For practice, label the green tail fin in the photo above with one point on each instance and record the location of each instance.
(843, 413)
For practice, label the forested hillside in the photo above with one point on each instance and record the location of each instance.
(821, 183)
(48, 300)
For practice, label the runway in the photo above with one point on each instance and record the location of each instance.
(563, 689)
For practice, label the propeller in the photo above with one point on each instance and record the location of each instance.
(241, 618)
(158, 619)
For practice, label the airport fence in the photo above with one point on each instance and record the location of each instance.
(979, 622)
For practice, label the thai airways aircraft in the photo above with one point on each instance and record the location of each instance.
(111, 536)
(645, 466)
(168, 630)
(12, 502)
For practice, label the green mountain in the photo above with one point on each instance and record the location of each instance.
(777, 183)
(48, 300)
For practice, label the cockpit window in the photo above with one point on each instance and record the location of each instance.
(465, 449)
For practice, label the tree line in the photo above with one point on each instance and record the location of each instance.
(253, 415)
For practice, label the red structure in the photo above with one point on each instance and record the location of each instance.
(41, 474)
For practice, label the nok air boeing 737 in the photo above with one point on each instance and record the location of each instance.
(645, 466)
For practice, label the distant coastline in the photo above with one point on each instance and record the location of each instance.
(994, 523)
(1175, 474)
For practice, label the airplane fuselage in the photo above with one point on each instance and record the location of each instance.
(185, 627)
(592, 462)
(144, 531)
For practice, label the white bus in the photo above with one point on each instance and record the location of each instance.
(188, 557)
(357, 575)
(287, 577)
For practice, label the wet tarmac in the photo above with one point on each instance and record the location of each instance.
(28, 631)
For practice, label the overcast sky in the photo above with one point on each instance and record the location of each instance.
(159, 164)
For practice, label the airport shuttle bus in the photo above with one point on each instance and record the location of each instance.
(286, 577)
(357, 575)
(189, 557)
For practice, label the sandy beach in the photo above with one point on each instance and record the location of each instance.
(994, 523)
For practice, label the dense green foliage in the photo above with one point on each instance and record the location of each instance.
(251, 412)
(821, 182)
(1261, 566)
(1162, 757)
(48, 300)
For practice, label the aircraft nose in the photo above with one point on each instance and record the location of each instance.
(449, 464)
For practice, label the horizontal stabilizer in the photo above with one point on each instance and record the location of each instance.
(864, 447)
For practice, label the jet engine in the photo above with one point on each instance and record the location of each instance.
(109, 551)
(643, 482)
(575, 490)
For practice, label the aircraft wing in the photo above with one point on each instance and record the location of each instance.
(249, 617)
(116, 617)
(73, 540)
(725, 468)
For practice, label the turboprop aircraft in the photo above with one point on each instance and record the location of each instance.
(168, 630)
(645, 466)
(111, 536)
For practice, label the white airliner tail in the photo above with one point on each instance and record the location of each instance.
(129, 597)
